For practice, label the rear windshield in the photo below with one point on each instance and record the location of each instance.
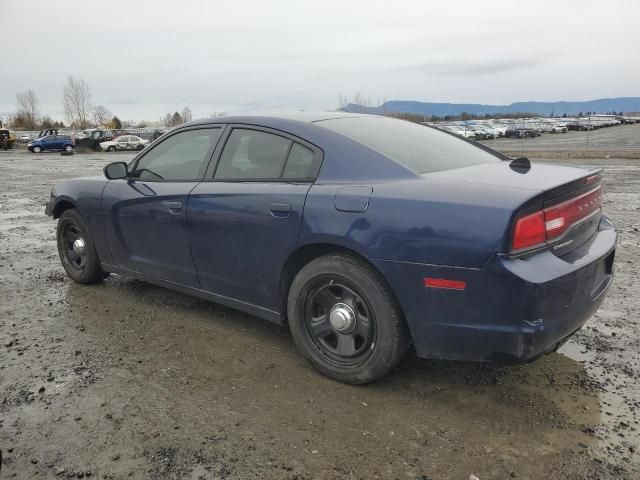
(420, 148)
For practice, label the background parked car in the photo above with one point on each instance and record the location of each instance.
(125, 142)
(51, 142)
(520, 132)
(6, 139)
(93, 139)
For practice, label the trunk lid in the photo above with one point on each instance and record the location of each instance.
(569, 196)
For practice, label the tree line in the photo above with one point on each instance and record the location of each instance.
(79, 111)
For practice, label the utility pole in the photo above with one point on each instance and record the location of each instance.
(588, 131)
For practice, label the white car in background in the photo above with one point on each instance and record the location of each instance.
(459, 131)
(559, 127)
(124, 142)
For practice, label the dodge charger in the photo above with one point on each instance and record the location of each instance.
(365, 235)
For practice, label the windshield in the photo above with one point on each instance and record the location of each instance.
(418, 147)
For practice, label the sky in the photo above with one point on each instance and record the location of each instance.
(145, 58)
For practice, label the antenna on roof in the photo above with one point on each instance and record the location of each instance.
(520, 165)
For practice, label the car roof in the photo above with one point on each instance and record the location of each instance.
(266, 118)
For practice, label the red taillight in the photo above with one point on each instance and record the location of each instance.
(529, 231)
(552, 222)
(560, 217)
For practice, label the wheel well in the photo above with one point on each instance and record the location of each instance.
(61, 207)
(304, 255)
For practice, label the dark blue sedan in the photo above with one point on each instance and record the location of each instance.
(364, 234)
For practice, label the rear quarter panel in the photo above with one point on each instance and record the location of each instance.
(418, 220)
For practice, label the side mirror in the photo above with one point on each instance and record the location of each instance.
(116, 170)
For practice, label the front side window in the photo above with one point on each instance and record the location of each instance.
(179, 157)
(253, 155)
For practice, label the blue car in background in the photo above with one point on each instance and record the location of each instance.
(363, 234)
(58, 143)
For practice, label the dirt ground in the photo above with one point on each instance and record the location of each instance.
(128, 380)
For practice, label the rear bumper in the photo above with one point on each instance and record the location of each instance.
(511, 309)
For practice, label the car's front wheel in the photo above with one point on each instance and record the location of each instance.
(76, 249)
(345, 320)
(140, 147)
(37, 149)
(111, 149)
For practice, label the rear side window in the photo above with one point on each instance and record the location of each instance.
(420, 148)
(253, 155)
(302, 163)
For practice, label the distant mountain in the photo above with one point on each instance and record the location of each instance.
(600, 105)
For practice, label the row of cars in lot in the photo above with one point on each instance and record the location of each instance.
(61, 142)
(529, 127)
(112, 140)
(94, 140)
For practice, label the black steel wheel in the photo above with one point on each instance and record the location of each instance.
(76, 249)
(339, 322)
(345, 320)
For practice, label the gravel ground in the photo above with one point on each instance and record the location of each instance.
(128, 380)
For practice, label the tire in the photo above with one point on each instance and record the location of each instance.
(68, 148)
(81, 263)
(37, 149)
(375, 336)
(111, 149)
(140, 147)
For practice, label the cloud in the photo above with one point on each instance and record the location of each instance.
(485, 66)
(226, 56)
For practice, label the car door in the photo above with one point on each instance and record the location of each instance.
(54, 143)
(145, 214)
(122, 143)
(243, 221)
(58, 142)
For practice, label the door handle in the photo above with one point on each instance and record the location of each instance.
(173, 205)
(281, 210)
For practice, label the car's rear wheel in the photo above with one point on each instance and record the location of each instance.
(345, 320)
(76, 249)
(68, 148)
(111, 149)
(37, 149)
